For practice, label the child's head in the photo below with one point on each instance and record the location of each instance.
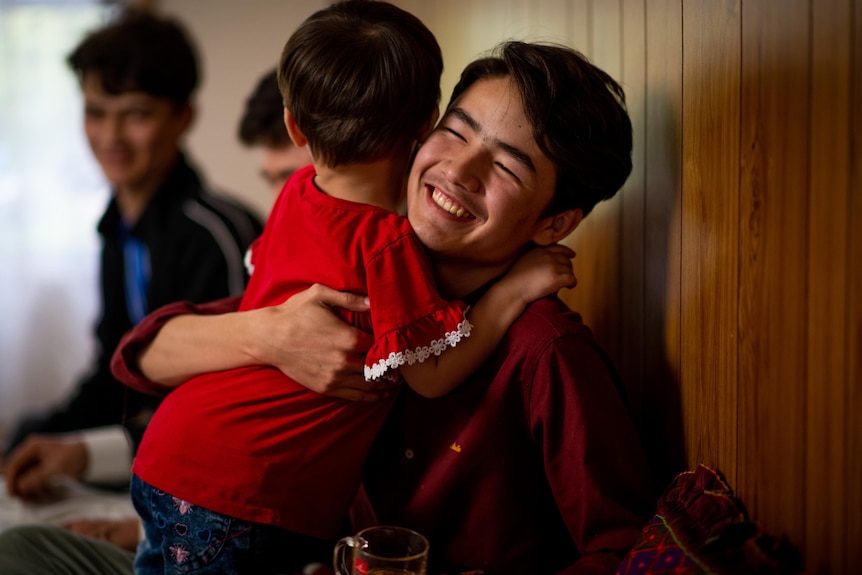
(140, 52)
(362, 79)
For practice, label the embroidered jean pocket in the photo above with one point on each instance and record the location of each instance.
(192, 537)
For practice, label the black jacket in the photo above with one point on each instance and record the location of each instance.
(196, 242)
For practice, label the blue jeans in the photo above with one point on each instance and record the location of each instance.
(185, 538)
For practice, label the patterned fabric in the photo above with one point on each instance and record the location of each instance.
(659, 552)
(701, 528)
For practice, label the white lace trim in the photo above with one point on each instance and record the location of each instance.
(421, 353)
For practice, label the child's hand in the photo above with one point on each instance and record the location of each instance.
(541, 271)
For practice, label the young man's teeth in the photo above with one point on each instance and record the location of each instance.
(447, 205)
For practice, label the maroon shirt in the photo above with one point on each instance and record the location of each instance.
(531, 466)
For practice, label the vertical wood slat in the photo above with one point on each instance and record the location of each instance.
(772, 263)
(579, 22)
(710, 200)
(596, 239)
(853, 355)
(828, 204)
(663, 121)
(632, 204)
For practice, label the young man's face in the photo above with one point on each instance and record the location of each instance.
(479, 184)
(279, 163)
(134, 136)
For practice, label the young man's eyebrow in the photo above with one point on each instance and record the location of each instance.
(518, 154)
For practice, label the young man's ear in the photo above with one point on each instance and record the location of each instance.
(187, 115)
(429, 124)
(296, 135)
(554, 228)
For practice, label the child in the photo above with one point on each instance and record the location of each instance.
(246, 470)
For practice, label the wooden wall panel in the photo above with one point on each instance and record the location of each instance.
(632, 198)
(853, 457)
(579, 25)
(828, 207)
(775, 108)
(662, 159)
(710, 233)
(597, 238)
(726, 277)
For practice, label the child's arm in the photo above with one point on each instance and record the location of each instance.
(538, 273)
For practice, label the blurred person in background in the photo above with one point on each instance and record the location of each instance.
(262, 126)
(166, 236)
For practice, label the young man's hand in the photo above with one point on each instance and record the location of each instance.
(312, 345)
(123, 533)
(32, 468)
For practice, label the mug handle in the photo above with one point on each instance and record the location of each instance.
(340, 553)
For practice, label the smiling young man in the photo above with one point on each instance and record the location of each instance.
(165, 237)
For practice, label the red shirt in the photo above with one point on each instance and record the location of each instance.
(531, 466)
(254, 444)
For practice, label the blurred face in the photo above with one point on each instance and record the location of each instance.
(279, 163)
(134, 136)
(479, 183)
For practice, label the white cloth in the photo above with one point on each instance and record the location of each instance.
(110, 455)
(71, 501)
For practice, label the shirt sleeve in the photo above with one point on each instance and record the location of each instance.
(411, 321)
(109, 455)
(124, 361)
(592, 455)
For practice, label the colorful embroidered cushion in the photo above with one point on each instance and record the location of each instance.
(701, 528)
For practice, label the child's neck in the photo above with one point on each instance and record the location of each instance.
(379, 183)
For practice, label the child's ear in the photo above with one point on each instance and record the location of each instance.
(296, 135)
(554, 228)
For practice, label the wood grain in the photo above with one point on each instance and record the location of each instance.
(853, 321)
(710, 233)
(828, 208)
(773, 263)
(597, 239)
(632, 199)
(663, 165)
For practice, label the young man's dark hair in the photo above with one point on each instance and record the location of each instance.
(262, 122)
(340, 114)
(578, 115)
(140, 52)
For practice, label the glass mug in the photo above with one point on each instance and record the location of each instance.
(382, 550)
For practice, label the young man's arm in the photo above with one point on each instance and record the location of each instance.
(594, 460)
(302, 337)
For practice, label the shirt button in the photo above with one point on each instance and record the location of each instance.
(408, 454)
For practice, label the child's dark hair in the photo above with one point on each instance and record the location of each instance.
(361, 78)
(578, 116)
(140, 52)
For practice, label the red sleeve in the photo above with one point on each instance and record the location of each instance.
(592, 454)
(411, 321)
(124, 361)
